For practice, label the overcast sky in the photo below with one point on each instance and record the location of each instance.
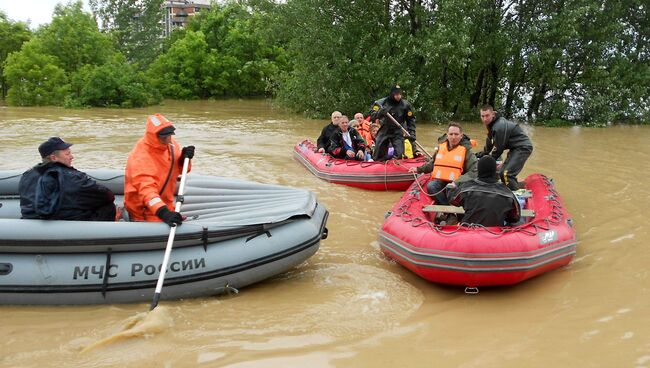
(38, 11)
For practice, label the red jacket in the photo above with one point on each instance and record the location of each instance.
(150, 165)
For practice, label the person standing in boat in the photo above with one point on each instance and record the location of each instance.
(326, 134)
(486, 201)
(346, 142)
(54, 190)
(152, 168)
(503, 134)
(453, 161)
(389, 133)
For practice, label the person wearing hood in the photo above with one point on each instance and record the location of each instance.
(486, 200)
(152, 168)
(453, 162)
(503, 134)
(389, 133)
(54, 190)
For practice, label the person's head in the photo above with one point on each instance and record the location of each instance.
(336, 117)
(487, 169)
(354, 124)
(344, 123)
(396, 93)
(165, 135)
(56, 149)
(358, 117)
(454, 133)
(487, 114)
(374, 128)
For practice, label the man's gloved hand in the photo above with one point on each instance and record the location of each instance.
(479, 154)
(187, 152)
(171, 218)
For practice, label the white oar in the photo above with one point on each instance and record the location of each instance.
(170, 240)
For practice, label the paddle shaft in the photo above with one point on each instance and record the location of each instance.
(170, 240)
(408, 135)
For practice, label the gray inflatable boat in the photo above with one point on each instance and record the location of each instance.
(237, 233)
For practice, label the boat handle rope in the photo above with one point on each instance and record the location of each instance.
(538, 225)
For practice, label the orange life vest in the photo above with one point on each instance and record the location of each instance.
(449, 164)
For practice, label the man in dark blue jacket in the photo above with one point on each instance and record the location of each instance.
(54, 190)
(503, 135)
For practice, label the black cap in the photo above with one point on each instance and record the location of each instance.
(487, 169)
(53, 144)
(395, 89)
(164, 132)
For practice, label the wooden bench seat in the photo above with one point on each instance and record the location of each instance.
(460, 210)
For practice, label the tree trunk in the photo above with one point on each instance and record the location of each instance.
(478, 86)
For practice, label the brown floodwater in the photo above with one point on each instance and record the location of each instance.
(349, 306)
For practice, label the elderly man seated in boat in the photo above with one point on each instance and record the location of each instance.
(453, 162)
(486, 200)
(326, 134)
(346, 142)
(54, 190)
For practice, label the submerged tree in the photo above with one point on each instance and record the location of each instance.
(13, 35)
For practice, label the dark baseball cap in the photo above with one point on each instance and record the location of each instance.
(164, 132)
(53, 144)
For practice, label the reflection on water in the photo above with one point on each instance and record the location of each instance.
(349, 305)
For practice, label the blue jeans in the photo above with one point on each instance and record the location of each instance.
(436, 186)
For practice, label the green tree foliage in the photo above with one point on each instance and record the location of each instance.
(13, 35)
(134, 25)
(34, 77)
(113, 84)
(224, 52)
(70, 62)
(583, 61)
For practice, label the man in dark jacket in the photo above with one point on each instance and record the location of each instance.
(505, 135)
(346, 142)
(486, 201)
(326, 134)
(389, 133)
(54, 190)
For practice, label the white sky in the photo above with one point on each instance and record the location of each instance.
(37, 11)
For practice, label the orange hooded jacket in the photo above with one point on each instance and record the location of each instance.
(149, 166)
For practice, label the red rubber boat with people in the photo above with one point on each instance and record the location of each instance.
(377, 175)
(472, 255)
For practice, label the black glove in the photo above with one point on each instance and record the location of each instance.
(171, 218)
(187, 152)
(479, 154)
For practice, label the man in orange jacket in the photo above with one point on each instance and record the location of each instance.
(151, 171)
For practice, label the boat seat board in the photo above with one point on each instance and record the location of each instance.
(461, 210)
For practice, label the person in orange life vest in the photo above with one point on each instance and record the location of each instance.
(324, 138)
(363, 128)
(346, 142)
(453, 161)
(151, 172)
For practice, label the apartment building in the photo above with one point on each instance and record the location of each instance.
(179, 12)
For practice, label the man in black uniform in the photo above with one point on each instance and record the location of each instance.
(505, 135)
(485, 200)
(389, 133)
(54, 190)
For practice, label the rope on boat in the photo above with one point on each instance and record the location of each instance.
(537, 225)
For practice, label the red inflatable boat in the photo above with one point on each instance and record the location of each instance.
(378, 175)
(472, 255)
